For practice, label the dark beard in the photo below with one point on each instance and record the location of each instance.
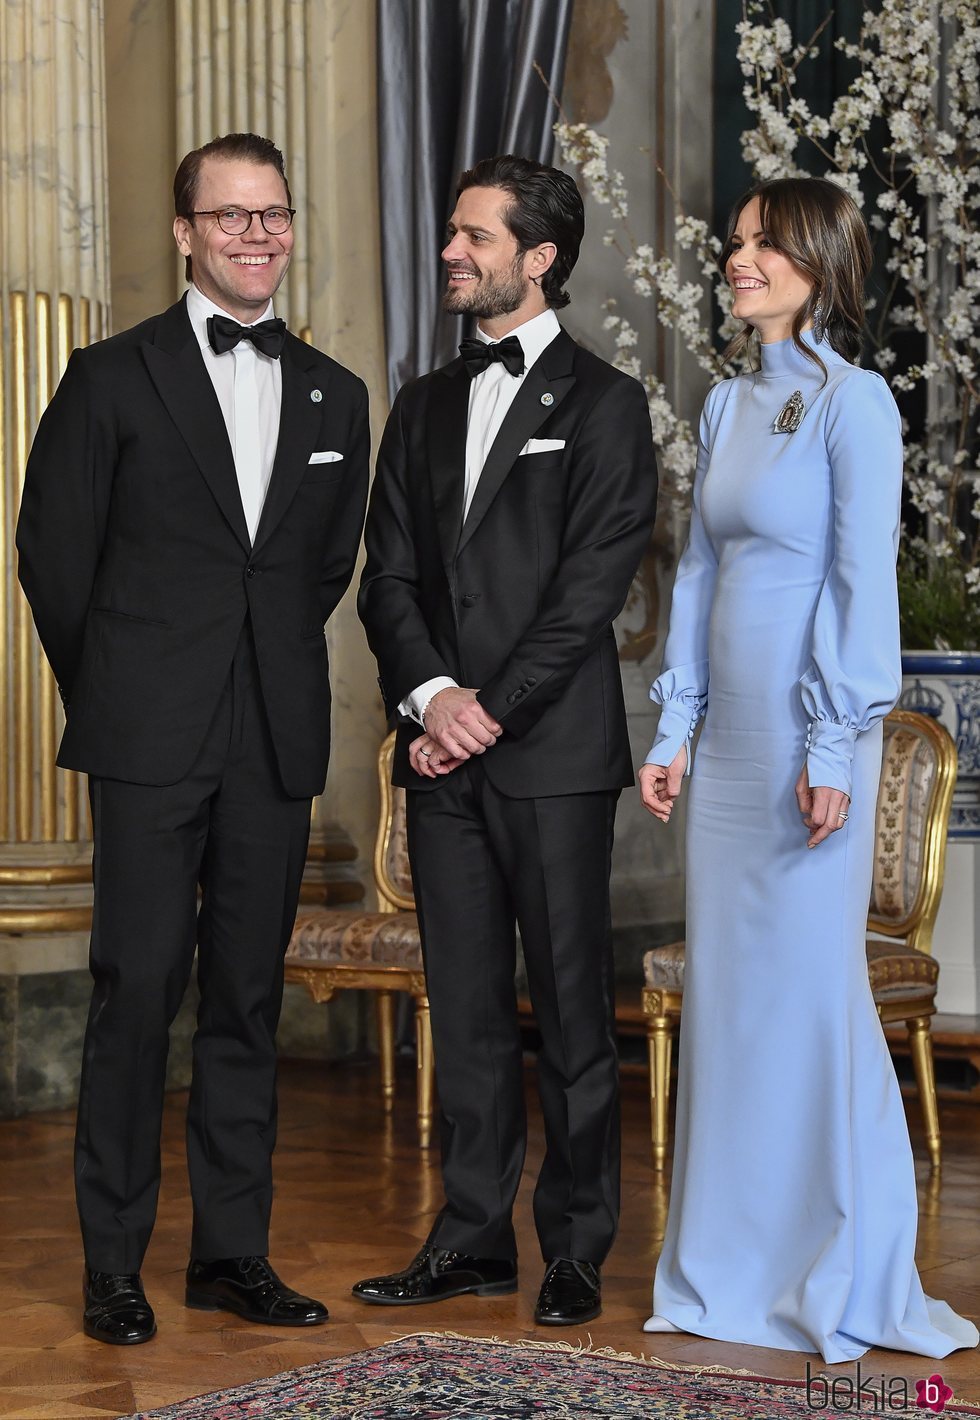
(492, 295)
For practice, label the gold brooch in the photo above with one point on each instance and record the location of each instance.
(790, 417)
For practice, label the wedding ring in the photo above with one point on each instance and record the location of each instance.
(426, 752)
(842, 817)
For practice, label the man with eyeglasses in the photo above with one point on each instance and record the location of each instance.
(191, 515)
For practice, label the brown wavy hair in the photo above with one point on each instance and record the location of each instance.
(820, 228)
(545, 206)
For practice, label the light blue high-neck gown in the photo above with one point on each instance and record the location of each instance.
(792, 1217)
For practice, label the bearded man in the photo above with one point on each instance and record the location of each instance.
(514, 496)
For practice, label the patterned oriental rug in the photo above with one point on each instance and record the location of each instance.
(432, 1376)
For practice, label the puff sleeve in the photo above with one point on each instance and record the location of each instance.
(681, 689)
(854, 675)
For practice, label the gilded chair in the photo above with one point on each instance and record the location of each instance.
(381, 951)
(918, 773)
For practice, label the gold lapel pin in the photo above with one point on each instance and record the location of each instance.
(316, 396)
(547, 400)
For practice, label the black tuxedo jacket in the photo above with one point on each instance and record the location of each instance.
(136, 559)
(519, 600)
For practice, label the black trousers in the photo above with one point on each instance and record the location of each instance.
(230, 828)
(481, 862)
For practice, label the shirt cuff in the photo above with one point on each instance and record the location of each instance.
(415, 704)
(678, 721)
(829, 751)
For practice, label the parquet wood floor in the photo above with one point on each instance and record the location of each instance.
(355, 1197)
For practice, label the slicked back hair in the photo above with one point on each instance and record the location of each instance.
(821, 229)
(544, 206)
(243, 147)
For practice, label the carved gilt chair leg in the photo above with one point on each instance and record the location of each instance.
(426, 1070)
(659, 1046)
(920, 1042)
(386, 1047)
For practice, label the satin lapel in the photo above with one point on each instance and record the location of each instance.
(177, 369)
(449, 404)
(299, 424)
(550, 375)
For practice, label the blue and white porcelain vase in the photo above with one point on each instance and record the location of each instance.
(946, 685)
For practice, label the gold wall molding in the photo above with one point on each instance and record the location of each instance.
(39, 803)
(58, 875)
(23, 921)
(43, 809)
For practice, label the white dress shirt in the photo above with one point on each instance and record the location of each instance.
(492, 393)
(254, 374)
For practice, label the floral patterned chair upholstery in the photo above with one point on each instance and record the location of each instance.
(332, 950)
(918, 773)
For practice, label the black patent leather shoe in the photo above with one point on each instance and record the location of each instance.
(435, 1274)
(571, 1292)
(116, 1309)
(249, 1287)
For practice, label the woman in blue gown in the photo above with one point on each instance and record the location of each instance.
(792, 1215)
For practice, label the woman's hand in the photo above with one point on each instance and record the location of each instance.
(429, 760)
(660, 784)
(824, 810)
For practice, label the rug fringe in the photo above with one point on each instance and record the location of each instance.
(566, 1348)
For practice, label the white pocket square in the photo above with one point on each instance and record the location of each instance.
(328, 456)
(541, 446)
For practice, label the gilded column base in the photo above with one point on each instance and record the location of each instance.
(45, 887)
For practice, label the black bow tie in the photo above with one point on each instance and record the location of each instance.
(479, 355)
(225, 333)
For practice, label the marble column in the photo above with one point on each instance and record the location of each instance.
(53, 296)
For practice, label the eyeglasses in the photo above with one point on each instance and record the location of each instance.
(235, 221)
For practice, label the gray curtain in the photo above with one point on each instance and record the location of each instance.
(455, 84)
